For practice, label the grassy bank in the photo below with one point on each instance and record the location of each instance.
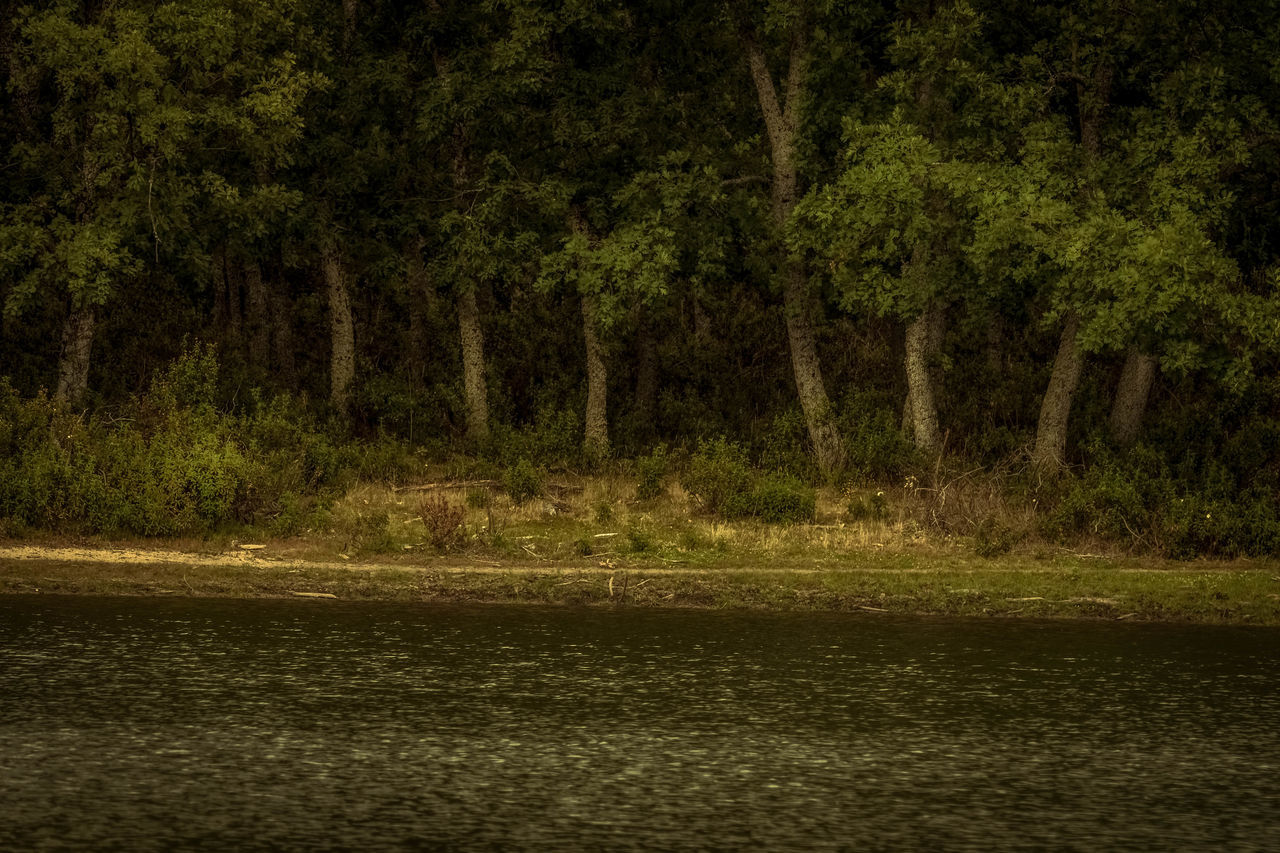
(869, 582)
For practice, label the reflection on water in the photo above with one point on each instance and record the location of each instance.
(139, 724)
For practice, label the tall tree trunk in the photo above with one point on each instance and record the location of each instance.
(596, 435)
(922, 343)
(73, 364)
(781, 121)
(1050, 449)
(258, 321)
(1130, 403)
(1049, 454)
(342, 360)
(473, 381)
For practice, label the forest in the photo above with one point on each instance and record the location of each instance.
(251, 249)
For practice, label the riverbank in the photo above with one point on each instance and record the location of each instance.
(1062, 586)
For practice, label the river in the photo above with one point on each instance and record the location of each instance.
(199, 724)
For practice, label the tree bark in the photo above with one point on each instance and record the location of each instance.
(596, 434)
(342, 361)
(1050, 449)
(781, 122)
(473, 381)
(922, 342)
(73, 365)
(1130, 403)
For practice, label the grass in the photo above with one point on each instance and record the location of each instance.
(588, 541)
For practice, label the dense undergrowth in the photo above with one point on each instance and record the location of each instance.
(172, 463)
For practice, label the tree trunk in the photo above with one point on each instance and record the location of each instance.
(1136, 378)
(1050, 449)
(781, 121)
(596, 436)
(257, 320)
(342, 362)
(73, 366)
(473, 381)
(922, 344)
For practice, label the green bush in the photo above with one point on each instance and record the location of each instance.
(991, 539)
(638, 541)
(651, 471)
(522, 481)
(785, 449)
(720, 480)
(872, 425)
(774, 499)
(717, 473)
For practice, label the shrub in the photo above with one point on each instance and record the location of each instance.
(369, 530)
(871, 423)
(651, 471)
(716, 474)
(638, 541)
(522, 482)
(784, 447)
(774, 499)
(991, 539)
(443, 521)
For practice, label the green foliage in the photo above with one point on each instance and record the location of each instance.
(651, 472)
(991, 538)
(720, 480)
(878, 448)
(604, 513)
(1139, 499)
(775, 499)
(370, 531)
(554, 438)
(523, 482)
(784, 447)
(638, 541)
(172, 464)
(715, 474)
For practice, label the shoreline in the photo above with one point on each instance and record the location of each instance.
(1238, 593)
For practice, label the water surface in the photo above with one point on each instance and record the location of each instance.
(160, 724)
